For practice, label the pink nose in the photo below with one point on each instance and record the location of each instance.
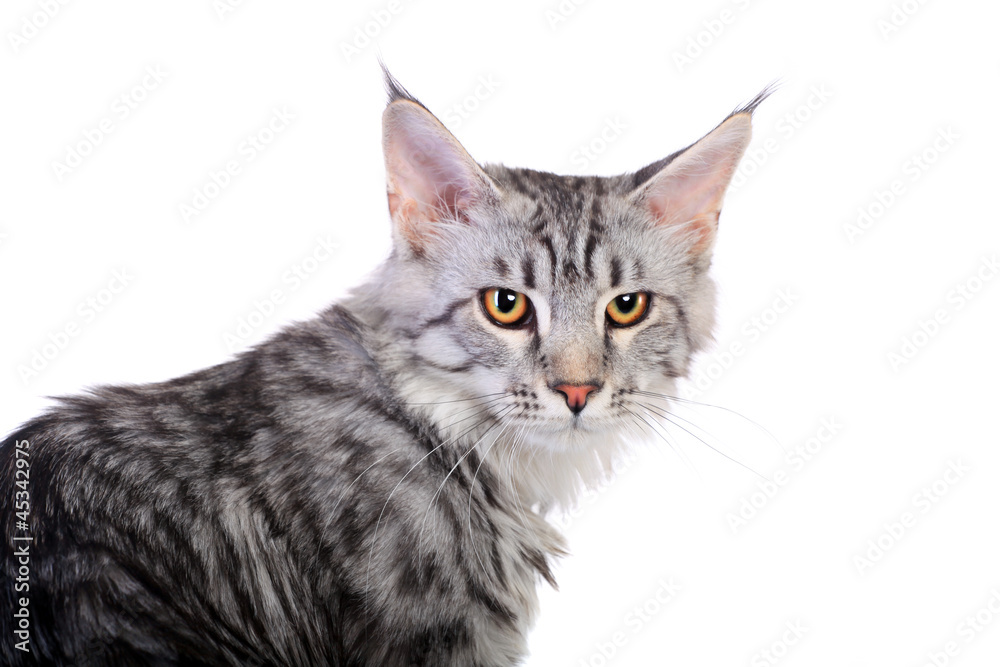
(576, 395)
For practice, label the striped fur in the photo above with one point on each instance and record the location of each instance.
(369, 487)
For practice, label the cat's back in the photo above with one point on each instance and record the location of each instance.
(163, 516)
(313, 380)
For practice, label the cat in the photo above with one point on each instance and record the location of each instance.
(370, 487)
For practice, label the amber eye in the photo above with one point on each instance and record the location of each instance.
(627, 309)
(506, 307)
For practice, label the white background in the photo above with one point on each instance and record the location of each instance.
(861, 97)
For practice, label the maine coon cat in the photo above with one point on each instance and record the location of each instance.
(370, 487)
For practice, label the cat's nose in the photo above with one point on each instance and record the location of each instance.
(576, 395)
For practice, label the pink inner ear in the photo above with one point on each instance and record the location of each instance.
(691, 203)
(428, 166)
(688, 192)
(683, 198)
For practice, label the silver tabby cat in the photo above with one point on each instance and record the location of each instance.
(369, 488)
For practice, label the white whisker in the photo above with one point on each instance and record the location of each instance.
(678, 399)
(667, 416)
(680, 454)
(371, 553)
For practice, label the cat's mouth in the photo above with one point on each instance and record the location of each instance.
(577, 424)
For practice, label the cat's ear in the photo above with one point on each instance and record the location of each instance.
(686, 189)
(431, 179)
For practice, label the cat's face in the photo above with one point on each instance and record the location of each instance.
(563, 295)
(551, 302)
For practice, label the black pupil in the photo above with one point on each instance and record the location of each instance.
(506, 299)
(626, 303)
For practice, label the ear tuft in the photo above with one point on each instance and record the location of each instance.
(752, 105)
(394, 89)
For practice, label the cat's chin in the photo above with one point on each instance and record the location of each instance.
(571, 435)
(555, 466)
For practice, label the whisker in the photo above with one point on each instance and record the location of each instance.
(472, 488)
(499, 418)
(475, 407)
(371, 553)
(683, 419)
(678, 399)
(460, 400)
(519, 441)
(680, 454)
(667, 416)
(344, 493)
(635, 433)
(423, 521)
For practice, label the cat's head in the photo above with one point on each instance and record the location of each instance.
(550, 301)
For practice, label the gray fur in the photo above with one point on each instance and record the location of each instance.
(368, 487)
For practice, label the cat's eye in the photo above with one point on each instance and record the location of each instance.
(627, 309)
(506, 307)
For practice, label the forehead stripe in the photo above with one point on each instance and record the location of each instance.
(553, 262)
(529, 273)
(616, 272)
